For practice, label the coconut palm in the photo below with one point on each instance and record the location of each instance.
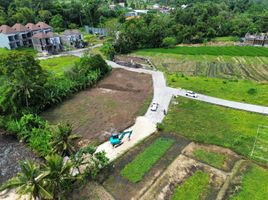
(30, 181)
(63, 141)
(60, 178)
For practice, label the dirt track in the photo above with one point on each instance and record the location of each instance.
(113, 104)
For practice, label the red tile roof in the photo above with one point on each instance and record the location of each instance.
(32, 27)
(42, 25)
(20, 28)
(40, 36)
(7, 29)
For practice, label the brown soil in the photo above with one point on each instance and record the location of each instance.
(182, 168)
(230, 156)
(113, 104)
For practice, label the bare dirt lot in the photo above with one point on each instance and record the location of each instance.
(113, 104)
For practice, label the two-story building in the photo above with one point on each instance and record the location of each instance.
(9, 38)
(73, 38)
(47, 42)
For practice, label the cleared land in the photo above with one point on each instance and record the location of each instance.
(234, 76)
(194, 188)
(213, 124)
(113, 104)
(58, 65)
(135, 170)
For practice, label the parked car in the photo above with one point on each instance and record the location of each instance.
(154, 106)
(191, 94)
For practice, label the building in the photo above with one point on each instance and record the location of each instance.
(97, 31)
(256, 39)
(9, 38)
(40, 27)
(25, 35)
(47, 42)
(73, 38)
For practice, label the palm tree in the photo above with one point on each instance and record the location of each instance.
(30, 181)
(63, 141)
(59, 178)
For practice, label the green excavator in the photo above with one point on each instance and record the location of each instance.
(116, 138)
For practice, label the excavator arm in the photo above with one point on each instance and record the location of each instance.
(122, 135)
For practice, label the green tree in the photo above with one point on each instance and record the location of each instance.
(169, 42)
(44, 15)
(57, 22)
(30, 181)
(59, 178)
(63, 141)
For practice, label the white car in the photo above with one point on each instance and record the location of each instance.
(191, 94)
(154, 106)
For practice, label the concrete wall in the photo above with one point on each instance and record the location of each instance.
(4, 42)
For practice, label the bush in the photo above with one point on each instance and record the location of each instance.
(169, 42)
(40, 141)
(252, 91)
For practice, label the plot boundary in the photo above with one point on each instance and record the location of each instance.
(257, 146)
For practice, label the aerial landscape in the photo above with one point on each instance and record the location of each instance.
(133, 100)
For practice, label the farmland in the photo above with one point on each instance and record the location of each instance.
(238, 76)
(135, 171)
(113, 104)
(213, 50)
(58, 65)
(213, 124)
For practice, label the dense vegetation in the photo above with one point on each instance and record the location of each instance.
(199, 22)
(194, 188)
(213, 124)
(136, 169)
(59, 14)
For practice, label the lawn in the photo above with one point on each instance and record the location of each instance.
(213, 50)
(59, 64)
(135, 170)
(206, 123)
(254, 185)
(211, 158)
(194, 188)
(226, 39)
(26, 50)
(235, 90)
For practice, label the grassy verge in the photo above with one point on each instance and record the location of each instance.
(213, 50)
(211, 158)
(135, 170)
(226, 39)
(60, 64)
(236, 90)
(142, 111)
(206, 123)
(254, 185)
(194, 188)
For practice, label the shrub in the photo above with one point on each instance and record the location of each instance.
(40, 141)
(169, 42)
(252, 91)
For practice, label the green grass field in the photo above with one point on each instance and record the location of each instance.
(135, 170)
(211, 158)
(194, 188)
(60, 64)
(254, 185)
(235, 90)
(26, 50)
(206, 123)
(213, 50)
(226, 39)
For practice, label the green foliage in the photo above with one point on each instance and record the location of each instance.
(211, 158)
(169, 42)
(194, 188)
(213, 50)
(221, 126)
(57, 22)
(252, 91)
(135, 170)
(254, 184)
(108, 50)
(63, 141)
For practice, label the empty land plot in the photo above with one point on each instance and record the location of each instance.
(213, 124)
(135, 170)
(194, 188)
(58, 65)
(249, 183)
(113, 104)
